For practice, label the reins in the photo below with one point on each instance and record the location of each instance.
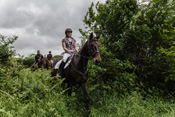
(81, 73)
(83, 56)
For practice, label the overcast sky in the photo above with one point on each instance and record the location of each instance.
(40, 24)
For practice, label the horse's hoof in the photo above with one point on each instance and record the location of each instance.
(88, 112)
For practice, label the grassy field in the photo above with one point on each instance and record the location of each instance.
(36, 94)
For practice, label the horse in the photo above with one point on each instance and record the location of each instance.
(76, 72)
(50, 63)
(43, 63)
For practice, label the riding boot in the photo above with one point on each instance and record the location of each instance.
(61, 67)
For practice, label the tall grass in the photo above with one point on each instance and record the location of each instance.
(133, 106)
(36, 94)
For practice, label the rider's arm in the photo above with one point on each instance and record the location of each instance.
(36, 58)
(64, 47)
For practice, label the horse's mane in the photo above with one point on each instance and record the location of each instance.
(83, 47)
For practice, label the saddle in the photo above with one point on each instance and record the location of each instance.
(69, 59)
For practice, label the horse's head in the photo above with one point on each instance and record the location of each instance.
(94, 48)
(40, 62)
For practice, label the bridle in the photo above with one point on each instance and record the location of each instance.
(90, 51)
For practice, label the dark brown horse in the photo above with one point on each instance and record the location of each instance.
(43, 63)
(76, 72)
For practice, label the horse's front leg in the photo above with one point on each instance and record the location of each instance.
(69, 90)
(85, 91)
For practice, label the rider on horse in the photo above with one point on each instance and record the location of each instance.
(69, 45)
(37, 57)
(49, 57)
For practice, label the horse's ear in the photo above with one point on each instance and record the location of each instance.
(91, 36)
(98, 37)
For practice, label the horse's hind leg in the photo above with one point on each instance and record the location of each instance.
(85, 91)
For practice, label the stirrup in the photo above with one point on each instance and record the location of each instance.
(58, 75)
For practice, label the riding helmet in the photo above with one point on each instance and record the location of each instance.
(68, 30)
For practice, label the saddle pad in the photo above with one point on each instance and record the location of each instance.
(67, 63)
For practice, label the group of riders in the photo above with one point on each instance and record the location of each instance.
(39, 57)
(70, 47)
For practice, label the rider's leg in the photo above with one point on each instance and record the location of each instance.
(34, 64)
(61, 67)
(51, 62)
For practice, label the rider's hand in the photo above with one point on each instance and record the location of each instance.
(72, 51)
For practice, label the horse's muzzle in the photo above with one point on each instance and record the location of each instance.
(97, 61)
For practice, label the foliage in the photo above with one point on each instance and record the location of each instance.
(22, 94)
(112, 74)
(112, 21)
(167, 63)
(38, 94)
(6, 48)
(131, 106)
(8, 65)
(133, 35)
(28, 61)
(138, 62)
(56, 57)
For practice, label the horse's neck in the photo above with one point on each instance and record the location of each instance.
(82, 60)
(40, 63)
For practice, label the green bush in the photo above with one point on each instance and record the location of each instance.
(112, 74)
(38, 94)
(23, 94)
(28, 61)
(6, 48)
(137, 68)
(133, 35)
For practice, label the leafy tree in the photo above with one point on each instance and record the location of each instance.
(8, 64)
(6, 48)
(132, 37)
